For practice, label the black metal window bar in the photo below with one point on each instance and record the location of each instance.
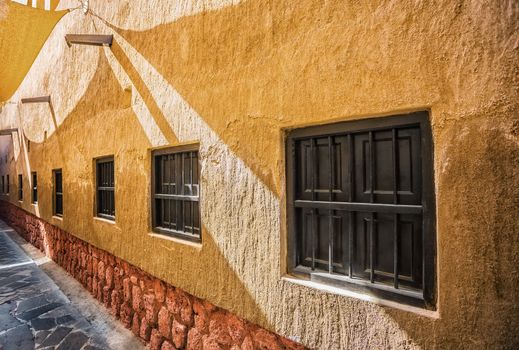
(20, 187)
(34, 187)
(58, 192)
(105, 180)
(7, 187)
(361, 206)
(176, 192)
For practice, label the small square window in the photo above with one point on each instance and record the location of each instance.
(105, 182)
(176, 192)
(58, 192)
(361, 206)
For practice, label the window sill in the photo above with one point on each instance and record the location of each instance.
(58, 218)
(193, 244)
(105, 220)
(361, 296)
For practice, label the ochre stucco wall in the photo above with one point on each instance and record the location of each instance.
(233, 76)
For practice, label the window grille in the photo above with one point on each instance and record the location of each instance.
(176, 192)
(361, 206)
(105, 180)
(58, 192)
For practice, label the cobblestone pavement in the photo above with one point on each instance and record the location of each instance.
(36, 314)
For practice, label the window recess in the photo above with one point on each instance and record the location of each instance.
(34, 187)
(58, 192)
(105, 183)
(361, 206)
(176, 192)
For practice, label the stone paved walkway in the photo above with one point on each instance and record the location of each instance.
(36, 314)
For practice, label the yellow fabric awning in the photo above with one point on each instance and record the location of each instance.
(23, 31)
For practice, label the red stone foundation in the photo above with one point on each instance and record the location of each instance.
(160, 314)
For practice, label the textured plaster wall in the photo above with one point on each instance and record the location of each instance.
(232, 76)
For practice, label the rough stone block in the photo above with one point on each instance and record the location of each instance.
(136, 298)
(107, 296)
(211, 343)
(127, 291)
(164, 320)
(247, 344)
(194, 340)
(136, 324)
(156, 340)
(178, 334)
(145, 332)
(109, 277)
(126, 315)
(218, 329)
(201, 316)
(179, 305)
(160, 290)
(265, 340)
(101, 270)
(150, 308)
(167, 346)
(236, 328)
(115, 302)
(134, 279)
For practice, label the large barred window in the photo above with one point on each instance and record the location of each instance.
(105, 182)
(361, 206)
(176, 192)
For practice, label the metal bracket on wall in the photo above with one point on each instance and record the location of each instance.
(8, 131)
(89, 39)
(40, 99)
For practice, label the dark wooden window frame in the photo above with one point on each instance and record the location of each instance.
(170, 232)
(20, 187)
(426, 298)
(57, 194)
(99, 202)
(34, 188)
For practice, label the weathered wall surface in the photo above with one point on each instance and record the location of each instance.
(233, 76)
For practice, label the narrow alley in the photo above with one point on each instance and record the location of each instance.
(42, 307)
